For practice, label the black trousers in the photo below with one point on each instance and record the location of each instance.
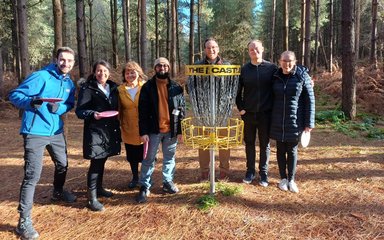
(96, 173)
(286, 153)
(257, 124)
(134, 157)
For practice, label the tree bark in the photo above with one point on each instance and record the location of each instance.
(139, 32)
(1, 72)
(65, 23)
(286, 25)
(316, 35)
(302, 33)
(143, 38)
(157, 44)
(15, 42)
(81, 44)
(191, 32)
(169, 29)
(115, 60)
(178, 58)
(199, 29)
(348, 60)
(330, 67)
(373, 55)
(91, 43)
(23, 38)
(273, 30)
(307, 48)
(58, 25)
(173, 39)
(357, 28)
(127, 30)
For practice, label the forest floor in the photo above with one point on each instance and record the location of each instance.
(341, 182)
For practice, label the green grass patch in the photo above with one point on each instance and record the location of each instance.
(364, 125)
(207, 202)
(228, 190)
(210, 201)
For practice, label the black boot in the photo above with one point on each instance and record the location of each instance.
(101, 192)
(93, 203)
(135, 175)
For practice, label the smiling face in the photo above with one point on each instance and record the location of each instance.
(131, 76)
(102, 74)
(287, 61)
(211, 50)
(255, 51)
(65, 62)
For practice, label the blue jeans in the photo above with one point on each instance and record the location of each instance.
(34, 147)
(286, 153)
(169, 150)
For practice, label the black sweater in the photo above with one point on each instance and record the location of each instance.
(254, 93)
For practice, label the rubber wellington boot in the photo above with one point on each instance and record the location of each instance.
(93, 203)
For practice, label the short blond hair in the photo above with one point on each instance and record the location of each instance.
(132, 65)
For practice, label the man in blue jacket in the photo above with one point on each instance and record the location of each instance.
(42, 127)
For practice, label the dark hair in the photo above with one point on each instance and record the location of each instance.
(98, 62)
(209, 39)
(64, 49)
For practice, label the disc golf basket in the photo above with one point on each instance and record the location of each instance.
(212, 91)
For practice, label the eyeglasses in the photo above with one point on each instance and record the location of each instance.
(288, 60)
(162, 66)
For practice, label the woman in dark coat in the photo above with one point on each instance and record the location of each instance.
(101, 137)
(293, 112)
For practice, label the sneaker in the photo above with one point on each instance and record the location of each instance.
(143, 195)
(263, 181)
(25, 229)
(170, 187)
(64, 196)
(293, 187)
(283, 184)
(101, 192)
(248, 178)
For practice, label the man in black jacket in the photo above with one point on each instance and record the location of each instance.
(161, 109)
(254, 101)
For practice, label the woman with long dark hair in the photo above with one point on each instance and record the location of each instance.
(101, 137)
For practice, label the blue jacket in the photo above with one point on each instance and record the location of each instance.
(293, 104)
(45, 83)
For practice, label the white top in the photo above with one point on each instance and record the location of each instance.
(132, 92)
(106, 90)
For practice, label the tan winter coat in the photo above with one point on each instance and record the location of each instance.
(129, 115)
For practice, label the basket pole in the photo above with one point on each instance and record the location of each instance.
(212, 151)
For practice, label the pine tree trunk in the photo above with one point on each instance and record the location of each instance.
(348, 60)
(23, 38)
(307, 51)
(143, 36)
(373, 55)
(173, 39)
(58, 24)
(191, 32)
(81, 44)
(126, 30)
